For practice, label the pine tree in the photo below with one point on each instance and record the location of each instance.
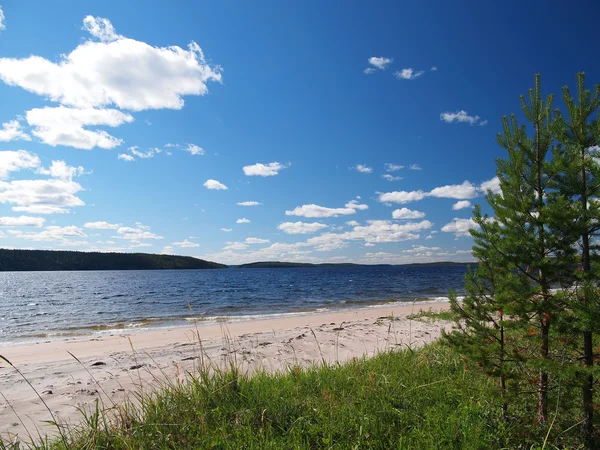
(579, 182)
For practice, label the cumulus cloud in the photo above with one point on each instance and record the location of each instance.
(214, 184)
(12, 131)
(2, 24)
(461, 205)
(408, 74)
(253, 240)
(491, 185)
(150, 153)
(235, 246)
(101, 226)
(249, 203)
(186, 244)
(41, 196)
(264, 170)
(50, 233)
(402, 196)
(460, 117)
(65, 126)
(61, 170)
(13, 161)
(363, 169)
(466, 190)
(353, 204)
(389, 177)
(98, 74)
(194, 149)
(301, 227)
(458, 191)
(243, 220)
(378, 63)
(100, 28)
(126, 157)
(136, 234)
(460, 227)
(405, 214)
(313, 210)
(22, 221)
(415, 167)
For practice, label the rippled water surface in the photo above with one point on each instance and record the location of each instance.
(46, 305)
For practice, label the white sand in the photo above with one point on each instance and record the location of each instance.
(113, 366)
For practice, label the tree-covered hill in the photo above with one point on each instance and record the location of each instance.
(22, 260)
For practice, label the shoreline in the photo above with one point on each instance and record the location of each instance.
(111, 367)
(199, 321)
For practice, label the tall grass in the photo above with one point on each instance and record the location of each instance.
(413, 399)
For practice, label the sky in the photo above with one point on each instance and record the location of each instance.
(240, 131)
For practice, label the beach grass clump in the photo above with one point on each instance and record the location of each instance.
(424, 398)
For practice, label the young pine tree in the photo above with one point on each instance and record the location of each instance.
(579, 182)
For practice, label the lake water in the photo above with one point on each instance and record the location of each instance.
(39, 306)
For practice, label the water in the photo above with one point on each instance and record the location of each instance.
(39, 306)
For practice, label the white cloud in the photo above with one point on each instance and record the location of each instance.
(313, 210)
(492, 185)
(402, 196)
(408, 74)
(461, 205)
(353, 204)
(458, 191)
(227, 230)
(352, 223)
(186, 244)
(388, 177)
(243, 220)
(235, 246)
(194, 149)
(459, 116)
(101, 226)
(264, 170)
(2, 24)
(379, 62)
(363, 169)
(370, 70)
(13, 161)
(249, 203)
(415, 167)
(433, 68)
(136, 234)
(61, 170)
(214, 184)
(405, 214)
(301, 227)
(65, 126)
(126, 157)
(460, 227)
(50, 233)
(41, 196)
(389, 167)
(115, 71)
(483, 123)
(252, 240)
(12, 130)
(22, 221)
(150, 153)
(100, 28)
(167, 250)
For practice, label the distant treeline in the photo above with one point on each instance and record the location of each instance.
(21, 260)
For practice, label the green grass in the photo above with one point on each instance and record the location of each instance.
(409, 399)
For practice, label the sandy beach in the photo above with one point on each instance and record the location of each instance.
(111, 367)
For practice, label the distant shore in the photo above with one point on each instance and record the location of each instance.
(113, 366)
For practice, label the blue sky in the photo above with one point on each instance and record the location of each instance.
(245, 131)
